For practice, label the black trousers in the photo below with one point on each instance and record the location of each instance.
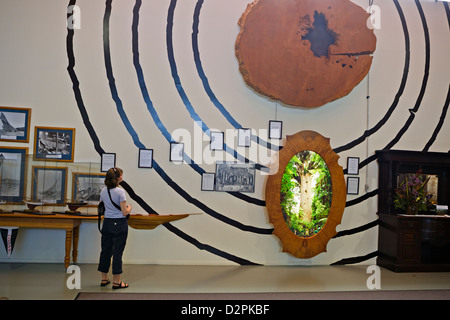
(114, 239)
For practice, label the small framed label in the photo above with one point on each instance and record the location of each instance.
(108, 161)
(208, 180)
(353, 165)
(244, 137)
(145, 158)
(216, 140)
(352, 185)
(176, 151)
(275, 129)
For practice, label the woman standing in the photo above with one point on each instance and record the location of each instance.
(115, 228)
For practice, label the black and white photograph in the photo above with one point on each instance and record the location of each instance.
(86, 187)
(235, 177)
(176, 151)
(244, 137)
(275, 129)
(15, 124)
(49, 185)
(217, 139)
(54, 144)
(12, 174)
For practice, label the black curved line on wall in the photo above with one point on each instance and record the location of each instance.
(419, 99)
(399, 93)
(207, 87)
(440, 123)
(76, 87)
(356, 259)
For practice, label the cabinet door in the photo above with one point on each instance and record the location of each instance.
(409, 242)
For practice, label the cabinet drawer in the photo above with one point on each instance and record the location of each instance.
(410, 224)
(411, 238)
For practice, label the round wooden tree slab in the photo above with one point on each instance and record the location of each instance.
(304, 53)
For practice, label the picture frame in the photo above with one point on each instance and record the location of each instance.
(244, 137)
(54, 144)
(145, 158)
(353, 185)
(176, 152)
(275, 129)
(86, 187)
(353, 165)
(15, 124)
(49, 185)
(108, 161)
(217, 139)
(235, 177)
(13, 171)
(208, 181)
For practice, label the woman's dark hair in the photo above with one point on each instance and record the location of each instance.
(112, 177)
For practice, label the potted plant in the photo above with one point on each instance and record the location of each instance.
(412, 196)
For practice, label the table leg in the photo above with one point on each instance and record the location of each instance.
(76, 233)
(68, 246)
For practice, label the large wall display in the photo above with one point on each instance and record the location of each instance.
(140, 75)
(304, 53)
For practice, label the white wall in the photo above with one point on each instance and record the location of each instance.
(33, 73)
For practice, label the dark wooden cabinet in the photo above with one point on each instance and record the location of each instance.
(420, 242)
(414, 243)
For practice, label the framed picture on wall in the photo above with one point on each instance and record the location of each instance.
(86, 187)
(108, 161)
(244, 137)
(56, 144)
(216, 140)
(13, 172)
(353, 165)
(145, 159)
(49, 185)
(352, 185)
(176, 152)
(235, 176)
(15, 124)
(275, 129)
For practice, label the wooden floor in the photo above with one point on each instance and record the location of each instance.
(22, 281)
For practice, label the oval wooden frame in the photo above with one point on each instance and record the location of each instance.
(298, 246)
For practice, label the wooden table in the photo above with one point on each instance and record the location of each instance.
(70, 223)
